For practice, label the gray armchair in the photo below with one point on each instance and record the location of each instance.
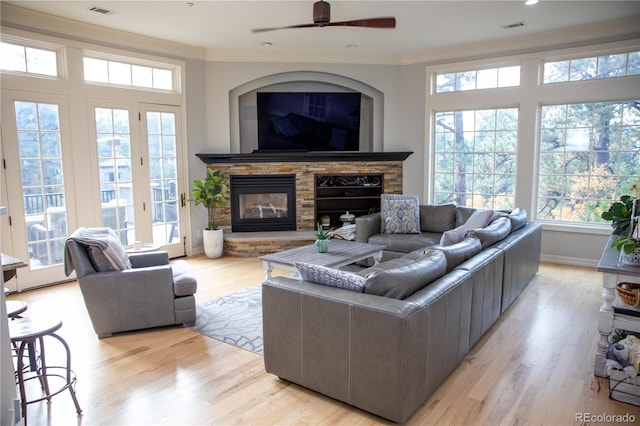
(153, 292)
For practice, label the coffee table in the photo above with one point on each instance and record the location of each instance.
(341, 253)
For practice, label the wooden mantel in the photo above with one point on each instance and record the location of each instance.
(309, 156)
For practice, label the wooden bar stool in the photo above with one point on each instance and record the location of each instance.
(31, 332)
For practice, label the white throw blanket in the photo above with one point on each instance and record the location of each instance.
(103, 238)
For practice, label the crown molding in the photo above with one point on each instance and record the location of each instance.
(603, 32)
(33, 21)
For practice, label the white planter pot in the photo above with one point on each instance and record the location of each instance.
(213, 243)
(631, 259)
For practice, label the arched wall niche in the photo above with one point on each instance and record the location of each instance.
(243, 113)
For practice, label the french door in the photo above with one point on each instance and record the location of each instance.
(139, 156)
(39, 194)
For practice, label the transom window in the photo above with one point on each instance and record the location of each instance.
(589, 154)
(26, 59)
(475, 158)
(489, 78)
(606, 66)
(128, 73)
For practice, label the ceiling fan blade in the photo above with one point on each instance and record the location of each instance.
(262, 30)
(388, 22)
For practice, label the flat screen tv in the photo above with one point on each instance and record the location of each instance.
(305, 121)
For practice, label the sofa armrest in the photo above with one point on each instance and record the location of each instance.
(366, 226)
(153, 258)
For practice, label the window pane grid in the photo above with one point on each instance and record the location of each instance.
(580, 69)
(489, 78)
(475, 158)
(30, 60)
(127, 74)
(584, 164)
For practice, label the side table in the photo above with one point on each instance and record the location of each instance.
(612, 274)
(31, 331)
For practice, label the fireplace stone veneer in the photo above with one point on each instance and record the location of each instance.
(305, 171)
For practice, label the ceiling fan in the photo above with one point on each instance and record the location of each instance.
(322, 18)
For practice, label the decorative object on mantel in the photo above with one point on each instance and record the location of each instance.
(322, 239)
(624, 216)
(629, 293)
(211, 192)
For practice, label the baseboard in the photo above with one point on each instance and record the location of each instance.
(566, 260)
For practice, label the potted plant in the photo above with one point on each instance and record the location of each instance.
(624, 216)
(211, 192)
(322, 239)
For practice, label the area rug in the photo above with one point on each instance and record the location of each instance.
(235, 319)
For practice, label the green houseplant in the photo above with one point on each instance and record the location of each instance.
(211, 192)
(624, 216)
(322, 239)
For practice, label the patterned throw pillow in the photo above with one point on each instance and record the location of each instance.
(330, 277)
(400, 214)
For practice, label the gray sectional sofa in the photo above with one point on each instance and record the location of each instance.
(411, 320)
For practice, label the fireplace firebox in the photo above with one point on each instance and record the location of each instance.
(263, 203)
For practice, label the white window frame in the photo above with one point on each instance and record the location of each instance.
(175, 70)
(528, 97)
(59, 50)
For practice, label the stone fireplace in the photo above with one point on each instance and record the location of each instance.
(263, 203)
(305, 167)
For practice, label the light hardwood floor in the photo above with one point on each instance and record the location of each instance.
(534, 366)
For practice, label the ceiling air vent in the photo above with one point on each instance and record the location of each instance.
(102, 10)
(514, 25)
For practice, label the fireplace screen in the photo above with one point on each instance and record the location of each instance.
(263, 203)
(261, 206)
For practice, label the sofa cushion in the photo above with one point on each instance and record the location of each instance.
(405, 243)
(518, 218)
(184, 282)
(400, 214)
(478, 219)
(404, 277)
(330, 277)
(463, 214)
(453, 236)
(459, 252)
(437, 218)
(494, 232)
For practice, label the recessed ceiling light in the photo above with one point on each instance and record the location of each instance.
(530, 2)
(266, 44)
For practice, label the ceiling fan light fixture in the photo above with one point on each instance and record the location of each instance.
(321, 13)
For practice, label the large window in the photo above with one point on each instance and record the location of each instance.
(475, 157)
(589, 153)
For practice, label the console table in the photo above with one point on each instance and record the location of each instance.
(610, 317)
